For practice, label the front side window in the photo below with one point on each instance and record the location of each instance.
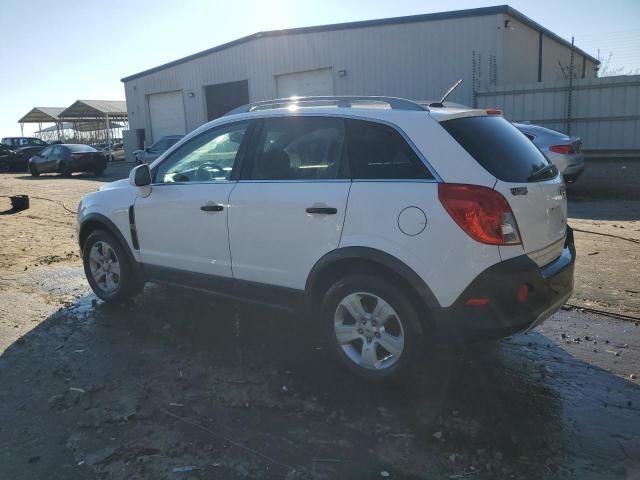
(378, 151)
(208, 157)
(46, 151)
(298, 148)
(37, 142)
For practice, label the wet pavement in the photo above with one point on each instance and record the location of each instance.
(181, 385)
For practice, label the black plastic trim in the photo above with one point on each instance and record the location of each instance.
(111, 228)
(378, 257)
(282, 298)
(132, 228)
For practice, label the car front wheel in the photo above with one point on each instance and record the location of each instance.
(372, 327)
(108, 269)
(34, 171)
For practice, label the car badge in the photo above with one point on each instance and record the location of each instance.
(519, 191)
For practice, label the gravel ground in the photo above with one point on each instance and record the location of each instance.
(181, 385)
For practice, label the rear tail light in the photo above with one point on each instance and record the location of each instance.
(76, 156)
(483, 213)
(493, 111)
(563, 149)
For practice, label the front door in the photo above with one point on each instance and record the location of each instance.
(288, 208)
(182, 223)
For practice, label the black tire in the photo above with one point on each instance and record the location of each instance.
(407, 316)
(129, 282)
(65, 169)
(33, 171)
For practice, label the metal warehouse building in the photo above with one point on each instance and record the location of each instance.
(415, 57)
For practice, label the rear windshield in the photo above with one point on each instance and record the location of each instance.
(81, 148)
(502, 149)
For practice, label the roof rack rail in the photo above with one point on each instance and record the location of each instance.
(340, 101)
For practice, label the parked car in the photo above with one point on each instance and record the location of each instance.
(563, 151)
(149, 154)
(388, 226)
(9, 160)
(24, 148)
(66, 159)
(113, 154)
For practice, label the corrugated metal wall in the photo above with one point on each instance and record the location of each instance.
(413, 60)
(418, 61)
(605, 112)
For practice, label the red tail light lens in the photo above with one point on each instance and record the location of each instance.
(483, 213)
(76, 156)
(493, 111)
(562, 149)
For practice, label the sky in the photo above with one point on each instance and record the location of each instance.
(55, 52)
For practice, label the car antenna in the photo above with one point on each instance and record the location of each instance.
(440, 104)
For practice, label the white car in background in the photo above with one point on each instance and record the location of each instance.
(388, 223)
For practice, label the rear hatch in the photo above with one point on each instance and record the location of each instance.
(538, 201)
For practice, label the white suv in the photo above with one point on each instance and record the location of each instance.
(389, 222)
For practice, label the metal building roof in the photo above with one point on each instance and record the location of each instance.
(83, 109)
(42, 115)
(472, 12)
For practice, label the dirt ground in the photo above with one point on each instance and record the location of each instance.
(181, 385)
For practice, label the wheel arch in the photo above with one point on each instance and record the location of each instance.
(97, 221)
(369, 260)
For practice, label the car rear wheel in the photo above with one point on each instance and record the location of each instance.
(108, 268)
(372, 327)
(34, 172)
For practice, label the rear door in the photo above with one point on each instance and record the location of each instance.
(288, 208)
(539, 204)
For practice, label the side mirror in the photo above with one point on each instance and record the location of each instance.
(140, 176)
(148, 149)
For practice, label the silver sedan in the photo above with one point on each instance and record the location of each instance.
(563, 151)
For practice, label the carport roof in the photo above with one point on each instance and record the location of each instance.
(42, 115)
(83, 109)
(471, 12)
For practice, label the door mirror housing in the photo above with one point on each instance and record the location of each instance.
(140, 176)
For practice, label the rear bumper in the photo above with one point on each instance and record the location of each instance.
(572, 172)
(549, 288)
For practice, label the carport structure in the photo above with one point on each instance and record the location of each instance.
(103, 119)
(45, 115)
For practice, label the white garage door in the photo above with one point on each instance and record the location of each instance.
(166, 111)
(311, 82)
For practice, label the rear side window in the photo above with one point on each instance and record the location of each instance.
(499, 147)
(299, 148)
(377, 151)
(80, 148)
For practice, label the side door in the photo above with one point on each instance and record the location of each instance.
(182, 223)
(42, 158)
(288, 208)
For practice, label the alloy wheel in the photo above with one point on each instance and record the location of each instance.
(369, 331)
(104, 266)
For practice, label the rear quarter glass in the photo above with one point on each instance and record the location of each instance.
(502, 149)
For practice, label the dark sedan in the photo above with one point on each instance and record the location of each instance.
(66, 159)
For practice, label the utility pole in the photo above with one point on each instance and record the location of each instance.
(570, 93)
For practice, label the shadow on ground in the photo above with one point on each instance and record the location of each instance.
(98, 392)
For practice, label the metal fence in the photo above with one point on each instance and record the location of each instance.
(604, 112)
